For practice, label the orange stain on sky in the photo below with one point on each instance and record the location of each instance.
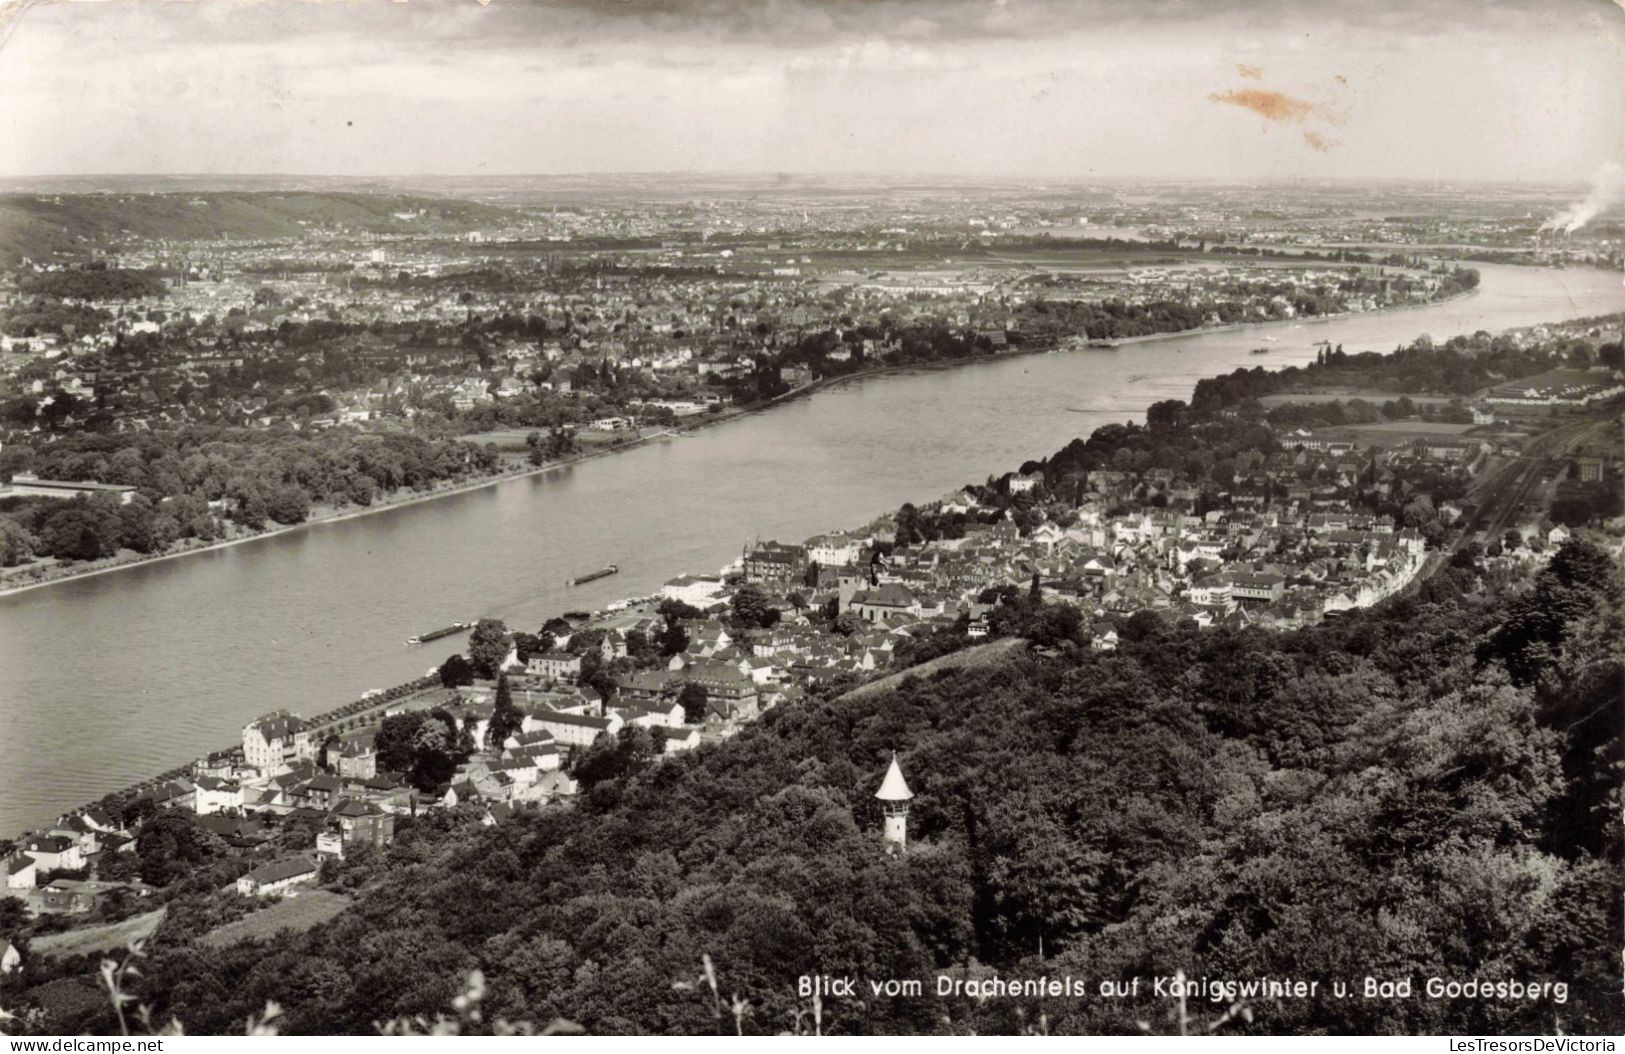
(1254, 72)
(1271, 105)
(1318, 141)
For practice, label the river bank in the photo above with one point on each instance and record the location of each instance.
(1276, 323)
(387, 504)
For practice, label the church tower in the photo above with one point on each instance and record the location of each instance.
(894, 797)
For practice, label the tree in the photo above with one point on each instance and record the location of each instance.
(455, 672)
(394, 742)
(16, 544)
(288, 504)
(673, 638)
(82, 529)
(488, 646)
(434, 748)
(506, 718)
(172, 844)
(751, 608)
(694, 700)
(845, 624)
(677, 610)
(527, 644)
(626, 753)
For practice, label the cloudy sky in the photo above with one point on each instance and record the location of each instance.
(1452, 89)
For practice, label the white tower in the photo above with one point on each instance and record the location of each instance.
(894, 797)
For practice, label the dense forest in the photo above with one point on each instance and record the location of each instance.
(1459, 367)
(192, 482)
(1429, 788)
(93, 283)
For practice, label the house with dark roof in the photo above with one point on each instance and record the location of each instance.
(883, 601)
(68, 896)
(275, 879)
(277, 739)
(54, 852)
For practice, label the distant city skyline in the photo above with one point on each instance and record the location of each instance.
(1000, 89)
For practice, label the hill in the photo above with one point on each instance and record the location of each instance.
(975, 657)
(1427, 789)
(294, 914)
(50, 226)
(90, 940)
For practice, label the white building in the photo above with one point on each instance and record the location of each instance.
(277, 739)
(577, 730)
(216, 795)
(699, 590)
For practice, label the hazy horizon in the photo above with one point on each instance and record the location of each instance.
(1510, 91)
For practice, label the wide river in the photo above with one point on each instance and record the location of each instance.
(110, 678)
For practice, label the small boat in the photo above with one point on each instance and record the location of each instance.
(1259, 351)
(436, 634)
(592, 576)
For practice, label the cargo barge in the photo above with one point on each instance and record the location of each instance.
(436, 634)
(592, 576)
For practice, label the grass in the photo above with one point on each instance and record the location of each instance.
(106, 937)
(974, 657)
(1334, 394)
(1418, 428)
(298, 912)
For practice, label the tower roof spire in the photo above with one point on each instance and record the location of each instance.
(894, 787)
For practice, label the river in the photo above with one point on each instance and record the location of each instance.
(107, 679)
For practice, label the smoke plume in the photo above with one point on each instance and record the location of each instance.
(1607, 185)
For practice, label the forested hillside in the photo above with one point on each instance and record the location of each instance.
(44, 226)
(1426, 789)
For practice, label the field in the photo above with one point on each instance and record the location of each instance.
(1343, 395)
(106, 937)
(1415, 428)
(979, 655)
(297, 912)
(505, 439)
(512, 440)
(1395, 433)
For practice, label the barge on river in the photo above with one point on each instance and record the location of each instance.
(592, 576)
(436, 634)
